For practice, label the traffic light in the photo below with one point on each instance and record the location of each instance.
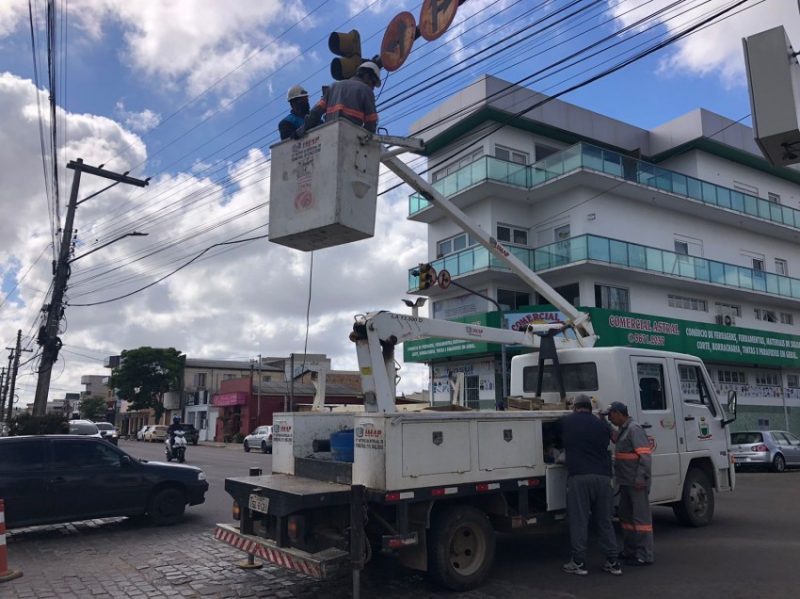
(348, 46)
(427, 276)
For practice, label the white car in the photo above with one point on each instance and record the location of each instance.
(142, 431)
(260, 438)
(84, 427)
(108, 431)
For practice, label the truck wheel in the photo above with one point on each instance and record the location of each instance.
(696, 507)
(778, 463)
(167, 507)
(461, 547)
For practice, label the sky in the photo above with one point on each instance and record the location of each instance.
(189, 93)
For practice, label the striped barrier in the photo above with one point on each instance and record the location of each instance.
(5, 573)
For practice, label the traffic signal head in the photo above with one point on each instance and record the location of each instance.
(427, 276)
(348, 47)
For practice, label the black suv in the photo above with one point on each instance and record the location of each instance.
(64, 478)
(191, 434)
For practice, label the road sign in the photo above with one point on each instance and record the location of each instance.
(435, 17)
(397, 41)
(443, 279)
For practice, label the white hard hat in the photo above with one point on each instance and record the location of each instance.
(373, 68)
(296, 91)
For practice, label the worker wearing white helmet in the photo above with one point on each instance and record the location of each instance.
(298, 101)
(352, 99)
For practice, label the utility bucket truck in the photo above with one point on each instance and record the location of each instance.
(432, 487)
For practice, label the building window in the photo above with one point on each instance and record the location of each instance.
(513, 300)
(228, 376)
(765, 315)
(768, 379)
(787, 318)
(730, 309)
(731, 376)
(793, 381)
(687, 303)
(542, 151)
(512, 235)
(561, 233)
(612, 298)
(774, 198)
(200, 380)
(758, 264)
(510, 155)
(456, 165)
(681, 248)
(745, 188)
(781, 268)
(454, 244)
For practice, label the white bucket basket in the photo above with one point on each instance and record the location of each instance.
(323, 188)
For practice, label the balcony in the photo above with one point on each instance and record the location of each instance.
(592, 248)
(591, 158)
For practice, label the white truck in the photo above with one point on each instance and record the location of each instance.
(432, 487)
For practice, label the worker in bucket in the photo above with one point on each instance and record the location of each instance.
(298, 102)
(352, 99)
(632, 469)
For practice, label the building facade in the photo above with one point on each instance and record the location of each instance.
(681, 238)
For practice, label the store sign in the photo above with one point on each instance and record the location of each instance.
(434, 348)
(229, 399)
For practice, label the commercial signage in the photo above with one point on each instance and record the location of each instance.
(711, 342)
(238, 398)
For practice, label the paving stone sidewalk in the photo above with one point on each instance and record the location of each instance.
(121, 558)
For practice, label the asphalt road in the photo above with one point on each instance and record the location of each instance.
(750, 551)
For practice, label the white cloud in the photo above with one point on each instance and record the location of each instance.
(716, 49)
(12, 15)
(141, 121)
(233, 302)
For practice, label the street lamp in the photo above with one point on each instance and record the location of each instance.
(108, 243)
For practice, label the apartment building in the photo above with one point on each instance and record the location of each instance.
(681, 238)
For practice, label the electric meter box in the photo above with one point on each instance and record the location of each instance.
(324, 187)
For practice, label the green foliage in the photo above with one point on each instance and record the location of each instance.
(28, 424)
(145, 374)
(238, 437)
(93, 408)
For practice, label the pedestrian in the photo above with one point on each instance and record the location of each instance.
(589, 492)
(632, 469)
(299, 108)
(353, 99)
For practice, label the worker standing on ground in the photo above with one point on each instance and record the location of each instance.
(298, 102)
(352, 99)
(632, 468)
(589, 490)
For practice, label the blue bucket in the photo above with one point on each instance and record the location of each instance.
(342, 445)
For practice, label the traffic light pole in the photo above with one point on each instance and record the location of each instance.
(48, 334)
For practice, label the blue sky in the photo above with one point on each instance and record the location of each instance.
(189, 92)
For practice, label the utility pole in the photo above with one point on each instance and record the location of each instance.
(12, 386)
(258, 393)
(3, 379)
(48, 333)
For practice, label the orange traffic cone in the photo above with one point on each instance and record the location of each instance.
(5, 573)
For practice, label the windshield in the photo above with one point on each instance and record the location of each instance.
(742, 438)
(82, 428)
(104, 426)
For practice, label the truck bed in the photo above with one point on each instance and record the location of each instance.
(287, 493)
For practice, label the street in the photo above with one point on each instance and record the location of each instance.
(747, 552)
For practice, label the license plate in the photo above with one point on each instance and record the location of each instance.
(258, 503)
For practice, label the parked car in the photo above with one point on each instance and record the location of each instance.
(140, 434)
(776, 450)
(108, 431)
(84, 427)
(261, 438)
(157, 433)
(64, 478)
(190, 433)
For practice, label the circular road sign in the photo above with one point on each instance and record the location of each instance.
(443, 279)
(397, 41)
(435, 17)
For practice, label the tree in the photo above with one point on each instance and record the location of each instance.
(145, 374)
(93, 408)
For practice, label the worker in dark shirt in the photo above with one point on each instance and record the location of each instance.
(299, 107)
(586, 438)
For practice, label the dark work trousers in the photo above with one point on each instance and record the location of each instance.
(590, 495)
(636, 521)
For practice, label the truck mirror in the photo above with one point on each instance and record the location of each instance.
(731, 408)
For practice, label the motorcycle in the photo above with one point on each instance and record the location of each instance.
(176, 449)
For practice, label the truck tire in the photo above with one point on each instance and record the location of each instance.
(167, 506)
(778, 463)
(696, 507)
(461, 548)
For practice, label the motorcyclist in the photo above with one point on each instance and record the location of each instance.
(173, 428)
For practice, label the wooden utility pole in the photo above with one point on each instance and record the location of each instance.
(48, 334)
(14, 369)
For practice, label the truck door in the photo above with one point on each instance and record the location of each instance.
(655, 408)
(702, 418)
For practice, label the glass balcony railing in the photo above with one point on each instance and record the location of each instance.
(589, 157)
(619, 253)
